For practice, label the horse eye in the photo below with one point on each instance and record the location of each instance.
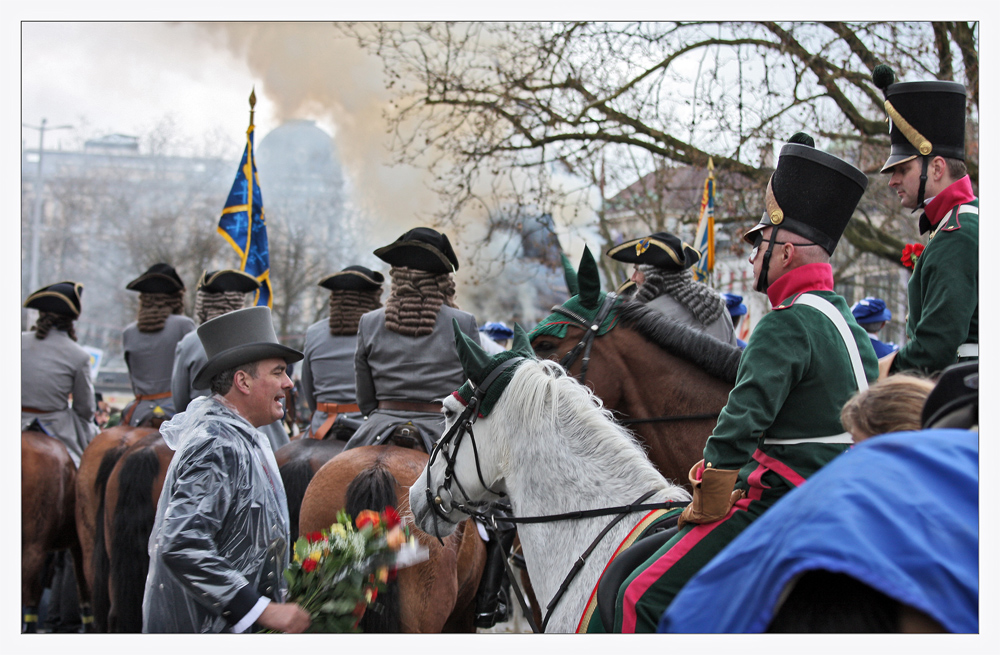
(544, 346)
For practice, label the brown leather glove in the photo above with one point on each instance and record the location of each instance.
(713, 495)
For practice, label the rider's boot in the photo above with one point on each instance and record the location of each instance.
(491, 598)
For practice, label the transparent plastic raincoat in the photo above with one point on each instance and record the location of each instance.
(220, 539)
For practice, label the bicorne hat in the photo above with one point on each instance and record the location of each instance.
(353, 278)
(59, 298)
(423, 249)
(237, 338)
(158, 278)
(925, 118)
(227, 279)
(870, 310)
(811, 193)
(734, 303)
(660, 249)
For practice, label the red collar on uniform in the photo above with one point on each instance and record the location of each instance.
(958, 192)
(810, 277)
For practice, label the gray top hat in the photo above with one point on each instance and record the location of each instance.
(237, 338)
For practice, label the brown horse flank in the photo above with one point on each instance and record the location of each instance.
(434, 596)
(48, 499)
(298, 462)
(90, 494)
(665, 381)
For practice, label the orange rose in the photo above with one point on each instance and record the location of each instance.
(367, 517)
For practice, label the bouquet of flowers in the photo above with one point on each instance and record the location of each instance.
(336, 574)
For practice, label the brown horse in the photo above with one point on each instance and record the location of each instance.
(434, 596)
(88, 494)
(665, 381)
(131, 496)
(298, 462)
(48, 499)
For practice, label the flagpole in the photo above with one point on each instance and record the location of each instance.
(253, 102)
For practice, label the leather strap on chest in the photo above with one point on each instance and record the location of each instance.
(838, 320)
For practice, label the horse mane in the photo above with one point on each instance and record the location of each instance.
(541, 389)
(718, 359)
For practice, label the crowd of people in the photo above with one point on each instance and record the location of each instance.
(815, 396)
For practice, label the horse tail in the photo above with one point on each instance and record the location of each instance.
(295, 475)
(374, 489)
(99, 594)
(132, 524)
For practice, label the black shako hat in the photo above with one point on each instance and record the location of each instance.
(811, 193)
(227, 279)
(59, 298)
(423, 249)
(237, 338)
(660, 249)
(353, 278)
(159, 278)
(925, 118)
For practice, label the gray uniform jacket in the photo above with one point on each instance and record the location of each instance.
(150, 360)
(721, 328)
(220, 537)
(327, 369)
(51, 369)
(188, 359)
(390, 366)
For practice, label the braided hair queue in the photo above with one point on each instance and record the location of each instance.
(209, 305)
(347, 307)
(154, 308)
(704, 303)
(415, 300)
(48, 320)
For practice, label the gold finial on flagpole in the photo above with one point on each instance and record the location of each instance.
(711, 168)
(253, 101)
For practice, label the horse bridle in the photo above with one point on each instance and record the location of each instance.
(587, 341)
(457, 432)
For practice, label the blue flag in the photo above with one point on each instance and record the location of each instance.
(242, 223)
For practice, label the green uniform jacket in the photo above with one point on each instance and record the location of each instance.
(943, 295)
(794, 377)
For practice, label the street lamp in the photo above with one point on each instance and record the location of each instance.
(36, 219)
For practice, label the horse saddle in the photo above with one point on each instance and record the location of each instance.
(407, 435)
(626, 563)
(343, 427)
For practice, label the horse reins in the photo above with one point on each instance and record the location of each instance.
(463, 426)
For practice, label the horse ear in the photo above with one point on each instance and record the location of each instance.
(474, 359)
(570, 274)
(522, 344)
(589, 280)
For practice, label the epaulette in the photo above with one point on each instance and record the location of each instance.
(952, 222)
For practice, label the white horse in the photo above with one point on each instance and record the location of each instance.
(550, 446)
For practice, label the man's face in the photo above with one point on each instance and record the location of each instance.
(637, 276)
(757, 255)
(267, 391)
(905, 181)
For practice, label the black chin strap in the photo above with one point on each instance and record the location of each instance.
(762, 282)
(923, 182)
